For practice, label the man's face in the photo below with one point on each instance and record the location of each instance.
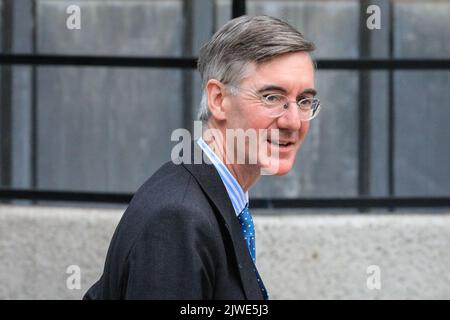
(290, 74)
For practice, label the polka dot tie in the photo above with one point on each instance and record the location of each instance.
(248, 231)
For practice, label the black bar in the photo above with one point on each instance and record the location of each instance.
(364, 128)
(5, 97)
(384, 64)
(238, 8)
(187, 75)
(98, 61)
(391, 111)
(49, 195)
(191, 63)
(124, 198)
(34, 107)
(360, 202)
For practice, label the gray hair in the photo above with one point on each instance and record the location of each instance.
(240, 42)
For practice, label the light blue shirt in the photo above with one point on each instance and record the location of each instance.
(238, 197)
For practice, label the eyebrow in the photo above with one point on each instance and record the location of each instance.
(272, 87)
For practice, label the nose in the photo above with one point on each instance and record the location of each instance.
(290, 119)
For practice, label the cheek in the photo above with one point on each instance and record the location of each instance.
(261, 122)
(304, 129)
(249, 115)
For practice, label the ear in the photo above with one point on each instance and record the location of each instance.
(215, 91)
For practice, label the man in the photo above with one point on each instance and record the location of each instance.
(188, 232)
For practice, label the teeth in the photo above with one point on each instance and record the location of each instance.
(278, 143)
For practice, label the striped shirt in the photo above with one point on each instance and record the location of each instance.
(238, 197)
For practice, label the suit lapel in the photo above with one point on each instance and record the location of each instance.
(211, 183)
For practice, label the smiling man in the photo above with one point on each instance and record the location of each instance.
(188, 232)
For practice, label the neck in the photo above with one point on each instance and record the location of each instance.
(245, 174)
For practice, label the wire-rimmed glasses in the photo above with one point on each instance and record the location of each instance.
(277, 104)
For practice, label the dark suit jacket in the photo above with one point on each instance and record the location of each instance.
(178, 239)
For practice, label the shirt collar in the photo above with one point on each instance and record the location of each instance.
(238, 197)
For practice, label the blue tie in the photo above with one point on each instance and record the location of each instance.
(248, 231)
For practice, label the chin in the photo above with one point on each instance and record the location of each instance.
(277, 168)
(284, 168)
(283, 171)
(278, 163)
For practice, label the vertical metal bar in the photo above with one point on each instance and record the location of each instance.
(238, 8)
(364, 128)
(5, 100)
(391, 111)
(34, 117)
(199, 26)
(215, 15)
(187, 74)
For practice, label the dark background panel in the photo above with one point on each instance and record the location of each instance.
(331, 25)
(138, 28)
(422, 29)
(422, 145)
(105, 129)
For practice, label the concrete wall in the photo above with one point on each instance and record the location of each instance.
(312, 255)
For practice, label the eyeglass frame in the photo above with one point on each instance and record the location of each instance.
(285, 105)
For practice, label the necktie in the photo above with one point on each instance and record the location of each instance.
(248, 231)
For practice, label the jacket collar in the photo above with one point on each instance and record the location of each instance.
(239, 198)
(209, 180)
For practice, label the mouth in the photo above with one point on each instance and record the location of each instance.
(282, 145)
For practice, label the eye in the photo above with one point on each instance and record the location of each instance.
(305, 102)
(273, 98)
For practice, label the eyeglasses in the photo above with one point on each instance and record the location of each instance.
(277, 104)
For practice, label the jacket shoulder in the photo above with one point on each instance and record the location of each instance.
(168, 211)
(171, 188)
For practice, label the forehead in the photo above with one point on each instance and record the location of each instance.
(292, 71)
